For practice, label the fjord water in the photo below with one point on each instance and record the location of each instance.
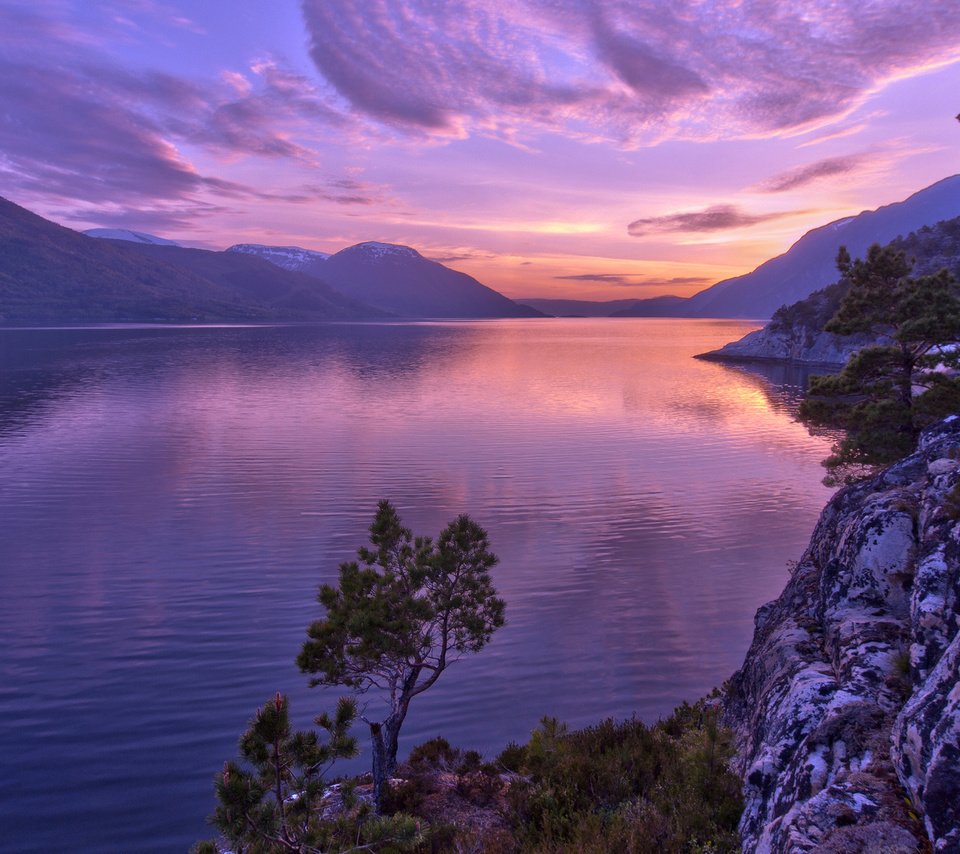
(171, 499)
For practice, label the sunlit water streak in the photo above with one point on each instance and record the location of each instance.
(171, 499)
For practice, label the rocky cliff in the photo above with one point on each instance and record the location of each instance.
(847, 708)
(797, 343)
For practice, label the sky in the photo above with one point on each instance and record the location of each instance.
(591, 149)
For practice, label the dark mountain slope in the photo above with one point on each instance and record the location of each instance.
(399, 279)
(810, 263)
(51, 274)
(665, 306)
(252, 279)
(795, 333)
(576, 307)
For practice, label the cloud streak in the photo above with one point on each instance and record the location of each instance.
(829, 167)
(715, 218)
(635, 280)
(629, 70)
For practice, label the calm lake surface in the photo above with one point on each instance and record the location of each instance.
(170, 499)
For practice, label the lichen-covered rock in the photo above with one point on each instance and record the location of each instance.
(847, 707)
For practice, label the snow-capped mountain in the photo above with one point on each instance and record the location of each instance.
(293, 258)
(375, 250)
(129, 236)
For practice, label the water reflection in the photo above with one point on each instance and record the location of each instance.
(172, 498)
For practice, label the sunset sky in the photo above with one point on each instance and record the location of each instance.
(595, 149)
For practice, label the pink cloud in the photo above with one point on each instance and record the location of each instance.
(626, 70)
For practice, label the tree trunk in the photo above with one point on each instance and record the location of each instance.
(907, 365)
(384, 738)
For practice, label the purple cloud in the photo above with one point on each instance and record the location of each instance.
(628, 70)
(801, 176)
(634, 280)
(81, 128)
(716, 218)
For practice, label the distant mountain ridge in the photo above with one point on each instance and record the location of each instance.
(809, 264)
(396, 279)
(52, 274)
(49, 273)
(400, 280)
(663, 306)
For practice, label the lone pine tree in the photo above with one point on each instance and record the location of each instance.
(399, 616)
(888, 392)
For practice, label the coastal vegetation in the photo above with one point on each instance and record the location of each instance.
(889, 391)
(929, 249)
(612, 786)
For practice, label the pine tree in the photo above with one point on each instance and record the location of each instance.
(270, 803)
(887, 393)
(399, 616)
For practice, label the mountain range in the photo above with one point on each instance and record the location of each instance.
(665, 306)
(395, 279)
(52, 274)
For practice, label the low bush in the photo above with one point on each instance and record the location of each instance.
(624, 786)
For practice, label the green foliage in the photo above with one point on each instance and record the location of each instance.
(512, 757)
(400, 615)
(930, 249)
(628, 787)
(270, 803)
(407, 600)
(887, 393)
(812, 313)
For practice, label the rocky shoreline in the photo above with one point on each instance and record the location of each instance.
(793, 345)
(846, 711)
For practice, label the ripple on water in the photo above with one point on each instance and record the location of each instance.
(172, 498)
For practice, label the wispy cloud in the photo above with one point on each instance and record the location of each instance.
(810, 173)
(451, 256)
(605, 278)
(85, 129)
(716, 218)
(635, 280)
(626, 70)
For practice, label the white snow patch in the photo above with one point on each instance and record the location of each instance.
(379, 250)
(129, 236)
(293, 258)
(840, 223)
